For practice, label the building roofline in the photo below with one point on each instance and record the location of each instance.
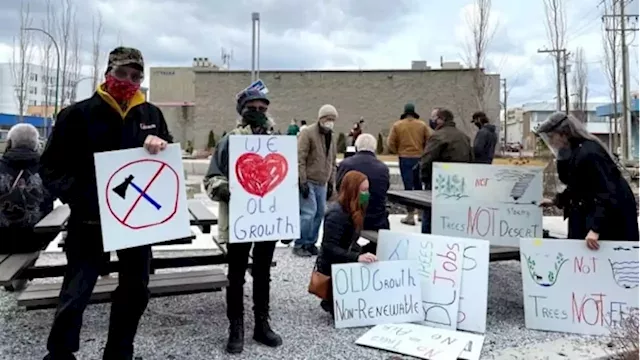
(312, 71)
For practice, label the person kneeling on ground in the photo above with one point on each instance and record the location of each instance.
(252, 106)
(23, 199)
(342, 225)
(598, 200)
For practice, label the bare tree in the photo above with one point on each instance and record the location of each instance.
(21, 60)
(96, 53)
(476, 47)
(75, 62)
(48, 60)
(611, 59)
(580, 85)
(66, 32)
(556, 26)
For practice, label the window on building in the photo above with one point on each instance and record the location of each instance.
(33, 90)
(52, 92)
(33, 77)
(33, 103)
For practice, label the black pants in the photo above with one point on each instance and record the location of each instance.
(85, 259)
(238, 258)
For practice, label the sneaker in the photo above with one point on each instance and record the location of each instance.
(312, 249)
(301, 252)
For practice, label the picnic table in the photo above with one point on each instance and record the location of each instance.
(19, 268)
(421, 199)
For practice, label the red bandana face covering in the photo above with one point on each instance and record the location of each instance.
(120, 90)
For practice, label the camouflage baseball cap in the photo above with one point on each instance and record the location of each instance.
(122, 56)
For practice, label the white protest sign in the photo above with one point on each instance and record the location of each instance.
(569, 288)
(424, 342)
(263, 181)
(439, 270)
(377, 293)
(472, 314)
(142, 197)
(493, 202)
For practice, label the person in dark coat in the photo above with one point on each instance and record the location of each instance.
(484, 145)
(343, 222)
(24, 201)
(598, 201)
(366, 162)
(447, 144)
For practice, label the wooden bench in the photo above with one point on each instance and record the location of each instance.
(39, 296)
(183, 241)
(12, 266)
(497, 253)
(201, 216)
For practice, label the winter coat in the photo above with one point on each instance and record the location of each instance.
(447, 144)
(597, 197)
(316, 156)
(408, 137)
(339, 239)
(484, 145)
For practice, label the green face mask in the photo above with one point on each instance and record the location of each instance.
(363, 199)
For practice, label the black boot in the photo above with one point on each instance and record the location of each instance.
(263, 334)
(236, 336)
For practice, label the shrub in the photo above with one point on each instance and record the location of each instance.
(624, 338)
(342, 143)
(211, 142)
(380, 145)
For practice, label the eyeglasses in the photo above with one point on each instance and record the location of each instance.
(261, 109)
(124, 73)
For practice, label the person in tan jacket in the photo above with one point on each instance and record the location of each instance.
(408, 138)
(317, 175)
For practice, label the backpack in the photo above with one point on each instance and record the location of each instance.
(20, 202)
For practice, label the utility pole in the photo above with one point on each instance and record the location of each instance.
(504, 106)
(556, 53)
(565, 71)
(626, 128)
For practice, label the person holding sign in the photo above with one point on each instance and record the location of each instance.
(252, 106)
(116, 117)
(598, 200)
(342, 225)
(317, 172)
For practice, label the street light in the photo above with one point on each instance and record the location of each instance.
(55, 44)
(75, 87)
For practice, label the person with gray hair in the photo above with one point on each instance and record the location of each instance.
(23, 199)
(366, 162)
(597, 200)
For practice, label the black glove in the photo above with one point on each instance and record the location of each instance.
(223, 193)
(329, 190)
(304, 190)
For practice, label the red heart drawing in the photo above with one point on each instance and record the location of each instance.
(260, 175)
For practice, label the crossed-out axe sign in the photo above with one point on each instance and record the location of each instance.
(122, 191)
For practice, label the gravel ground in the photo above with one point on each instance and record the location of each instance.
(194, 327)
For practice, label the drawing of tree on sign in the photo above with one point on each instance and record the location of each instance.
(625, 273)
(521, 179)
(552, 274)
(450, 186)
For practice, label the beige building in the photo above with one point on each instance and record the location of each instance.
(376, 95)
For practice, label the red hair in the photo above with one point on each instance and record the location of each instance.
(349, 196)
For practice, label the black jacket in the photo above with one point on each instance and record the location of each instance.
(377, 172)
(597, 197)
(484, 145)
(447, 144)
(339, 239)
(88, 127)
(36, 199)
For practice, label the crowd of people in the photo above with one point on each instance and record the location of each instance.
(347, 198)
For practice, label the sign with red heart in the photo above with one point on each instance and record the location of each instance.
(260, 175)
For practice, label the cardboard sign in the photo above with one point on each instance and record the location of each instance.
(439, 270)
(263, 181)
(424, 342)
(569, 288)
(492, 202)
(142, 197)
(376, 293)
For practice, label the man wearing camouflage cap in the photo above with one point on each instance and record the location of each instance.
(116, 117)
(252, 106)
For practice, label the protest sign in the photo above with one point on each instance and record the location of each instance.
(569, 288)
(439, 269)
(142, 197)
(474, 287)
(376, 293)
(424, 342)
(263, 181)
(492, 202)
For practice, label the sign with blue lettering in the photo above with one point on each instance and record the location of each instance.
(256, 85)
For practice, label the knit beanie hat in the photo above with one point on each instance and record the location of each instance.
(409, 109)
(327, 110)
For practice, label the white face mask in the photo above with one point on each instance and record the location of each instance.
(328, 125)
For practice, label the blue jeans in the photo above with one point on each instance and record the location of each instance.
(426, 221)
(311, 214)
(408, 175)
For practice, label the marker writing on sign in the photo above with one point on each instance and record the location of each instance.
(438, 309)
